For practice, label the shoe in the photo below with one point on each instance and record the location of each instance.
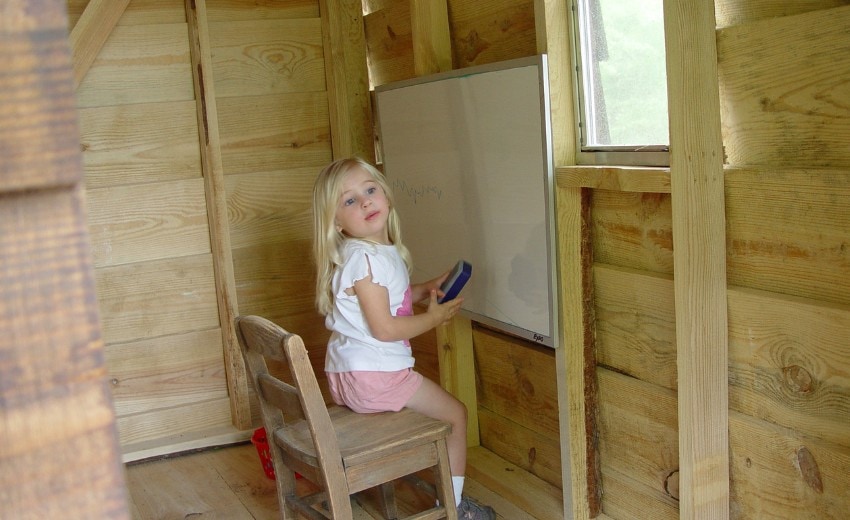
(472, 510)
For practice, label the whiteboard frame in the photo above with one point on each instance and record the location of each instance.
(548, 337)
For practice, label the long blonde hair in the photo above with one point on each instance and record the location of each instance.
(327, 240)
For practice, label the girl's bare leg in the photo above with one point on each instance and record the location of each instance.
(432, 400)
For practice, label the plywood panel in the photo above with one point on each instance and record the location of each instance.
(131, 144)
(268, 133)
(271, 207)
(789, 230)
(164, 372)
(638, 433)
(149, 299)
(487, 32)
(145, 222)
(633, 230)
(267, 57)
(636, 324)
(140, 64)
(779, 473)
(232, 10)
(787, 108)
(788, 363)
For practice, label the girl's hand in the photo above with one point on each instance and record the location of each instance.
(442, 312)
(421, 291)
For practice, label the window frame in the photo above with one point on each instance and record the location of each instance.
(649, 155)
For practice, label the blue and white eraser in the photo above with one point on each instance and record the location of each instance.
(456, 280)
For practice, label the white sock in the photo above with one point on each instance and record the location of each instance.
(457, 485)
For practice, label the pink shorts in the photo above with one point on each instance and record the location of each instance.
(370, 392)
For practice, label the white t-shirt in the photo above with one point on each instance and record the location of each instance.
(352, 346)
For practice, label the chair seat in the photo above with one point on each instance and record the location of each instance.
(364, 438)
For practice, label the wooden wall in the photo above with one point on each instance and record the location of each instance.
(186, 234)
(509, 371)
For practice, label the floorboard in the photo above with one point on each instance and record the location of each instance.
(229, 483)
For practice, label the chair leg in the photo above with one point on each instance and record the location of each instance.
(443, 481)
(387, 499)
(285, 481)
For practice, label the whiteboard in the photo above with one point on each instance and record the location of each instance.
(468, 156)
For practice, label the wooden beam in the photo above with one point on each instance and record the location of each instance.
(91, 32)
(574, 357)
(347, 76)
(615, 178)
(699, 261)
(59, 456)
(432, 44)
(216, 198)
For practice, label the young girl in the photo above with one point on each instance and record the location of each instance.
(363, 289)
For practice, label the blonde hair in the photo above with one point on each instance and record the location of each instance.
(327, 240)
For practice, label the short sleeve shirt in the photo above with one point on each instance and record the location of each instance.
(352, 346)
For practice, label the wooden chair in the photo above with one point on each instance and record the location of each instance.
(341, 451)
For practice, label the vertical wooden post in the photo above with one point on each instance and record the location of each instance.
(350, 104)
(578, 461)
(216, 198)
(59, 454)
(432, 44)
(699, 258)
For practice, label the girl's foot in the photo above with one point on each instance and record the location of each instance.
(472, 510)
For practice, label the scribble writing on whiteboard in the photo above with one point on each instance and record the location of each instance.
(401, 187)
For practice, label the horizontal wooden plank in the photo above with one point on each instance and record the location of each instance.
(132, 144)
(389, 43)
(231, 10)
(167, 371)
(140, 64)
(616, 178)
(787, 109)
(272, 133)
(173, 423)
(138, 12)
(636, 324)
(149, 299)
(633, 230)
(259, 218)
(521, 488)
(788, 231)
(788, 363)
(261, 57)
(280, 274)
(638, 432)
(146, 222)
(513, 372)
(538, 454)
(735, 12)
(624, 497)
(779, 473)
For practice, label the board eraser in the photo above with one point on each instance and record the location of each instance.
(456, 280)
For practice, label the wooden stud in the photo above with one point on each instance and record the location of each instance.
(699, 242)
(91, 32)
(213, 172)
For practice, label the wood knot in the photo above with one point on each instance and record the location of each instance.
(671, 484)
(808, 468)
(471, 46)
(532, 455)
(798, 379)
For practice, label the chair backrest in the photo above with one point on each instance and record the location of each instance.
(260, 338)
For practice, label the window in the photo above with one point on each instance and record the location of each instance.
(622, 81)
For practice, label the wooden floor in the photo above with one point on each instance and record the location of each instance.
(229, 483)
